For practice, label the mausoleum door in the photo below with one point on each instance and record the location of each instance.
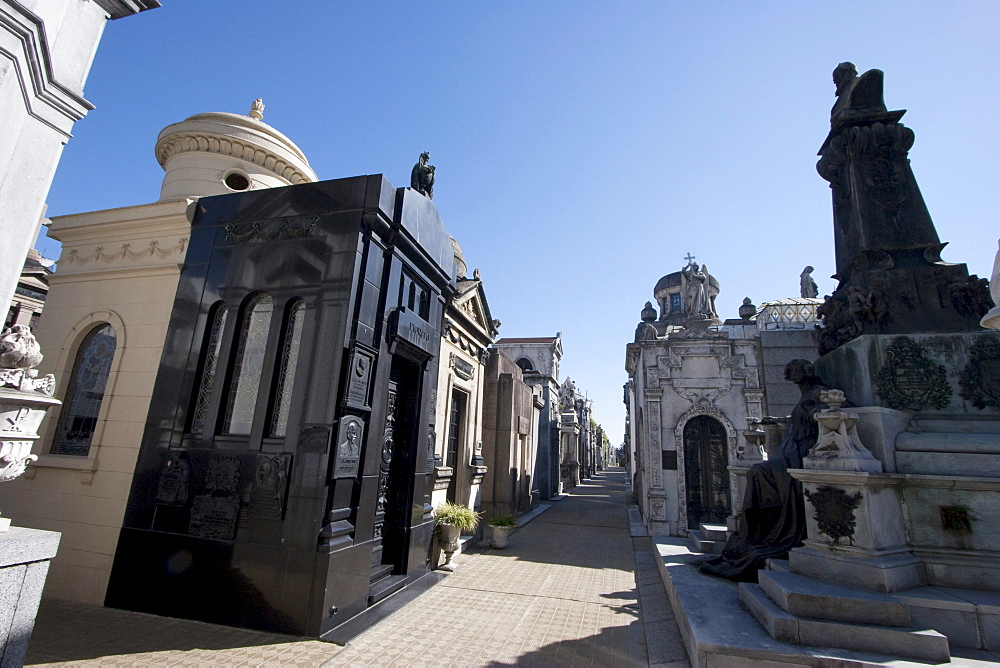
(705, 472)
(395, 487)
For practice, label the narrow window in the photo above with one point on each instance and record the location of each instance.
(249, 364)
(290, 340)
(210, 361)
(675, 303)
(85, 392)
(455, 421)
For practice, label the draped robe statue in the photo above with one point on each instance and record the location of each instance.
(773, 519)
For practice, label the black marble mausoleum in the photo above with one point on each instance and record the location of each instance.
(282, 482)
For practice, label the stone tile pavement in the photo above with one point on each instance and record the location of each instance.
(571, 590)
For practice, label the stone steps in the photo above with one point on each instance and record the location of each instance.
(908, 643)
(709, 538)
(803, 596)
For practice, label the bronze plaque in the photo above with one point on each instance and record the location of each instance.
(359, 374)
(350, 436)
(270, 485)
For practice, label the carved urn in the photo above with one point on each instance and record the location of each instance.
(24, 400)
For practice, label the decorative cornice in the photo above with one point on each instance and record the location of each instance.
(121, 8)
(190, 142)
(152, 249)
(38, 83)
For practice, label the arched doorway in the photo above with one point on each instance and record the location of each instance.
(705, 472)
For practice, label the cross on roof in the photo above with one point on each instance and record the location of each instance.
(689, 257)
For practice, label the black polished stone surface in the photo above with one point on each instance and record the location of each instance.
(253, 529)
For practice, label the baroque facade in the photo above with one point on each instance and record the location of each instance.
(697, 395)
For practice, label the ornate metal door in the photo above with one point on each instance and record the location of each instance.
(705, 472)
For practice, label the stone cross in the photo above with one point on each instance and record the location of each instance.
(689, 257)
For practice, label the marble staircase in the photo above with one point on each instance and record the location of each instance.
(802, 610)
(709, 538)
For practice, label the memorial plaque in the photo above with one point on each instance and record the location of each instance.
(463, 369)
(270, 485)
(669, 458)
(214, 516)
(980, 379)
(314, 439)
(174, 478)
(350, 435)
(214, 513)
(362, 360)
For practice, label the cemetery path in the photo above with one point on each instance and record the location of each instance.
(571, 590)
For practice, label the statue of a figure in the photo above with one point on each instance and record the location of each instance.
(697, 297)
(567, 396)
(773, 519)
(856, 96)
(422, 176)
(807, 286)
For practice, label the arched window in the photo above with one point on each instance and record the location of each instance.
(525, 364)
(249, 364)
(290, 340)
(210, 361)
(85, 392)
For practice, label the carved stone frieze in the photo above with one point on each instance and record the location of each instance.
(14, 457)
(152, 249)
(910, 380)
(186, 142)
(291, 227)
(980, 379)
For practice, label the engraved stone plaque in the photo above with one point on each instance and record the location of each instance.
(270, 485)
(350, 436)
(314, 439)
(362, 360)
(174, 478)
(214, 516)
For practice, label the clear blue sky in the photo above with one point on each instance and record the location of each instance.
(582, 148)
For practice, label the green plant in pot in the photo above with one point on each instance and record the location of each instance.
(501, 526)
(452, 519)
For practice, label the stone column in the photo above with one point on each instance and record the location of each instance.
(655, 492)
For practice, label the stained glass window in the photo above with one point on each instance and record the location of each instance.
(242, 400)
(210, 355)
(85, 392)
(291, 338)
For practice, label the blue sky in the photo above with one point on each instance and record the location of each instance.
(582, 148)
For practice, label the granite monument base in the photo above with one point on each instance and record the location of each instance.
(24, 562)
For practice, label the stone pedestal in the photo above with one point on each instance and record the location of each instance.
(24, 562)
(569, 462)
(854, 521)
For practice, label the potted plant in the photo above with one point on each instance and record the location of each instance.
(452, 519)
(501, 526)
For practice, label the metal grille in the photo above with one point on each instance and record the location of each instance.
(286, 373)
(211, 354)
(249, 364)
(85, 393)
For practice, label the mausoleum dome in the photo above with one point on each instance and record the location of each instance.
(217, 153)
(461, 269)
(670, 297)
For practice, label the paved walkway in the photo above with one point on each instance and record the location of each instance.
(571, 590)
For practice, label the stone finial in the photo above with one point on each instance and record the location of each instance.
(257, 109)
(648, 313)
(838, 446)
(747, 310)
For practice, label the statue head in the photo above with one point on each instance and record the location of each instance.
(352, 432)
(424, 157)
(843, 73)
(799, 371)
(807, 270)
